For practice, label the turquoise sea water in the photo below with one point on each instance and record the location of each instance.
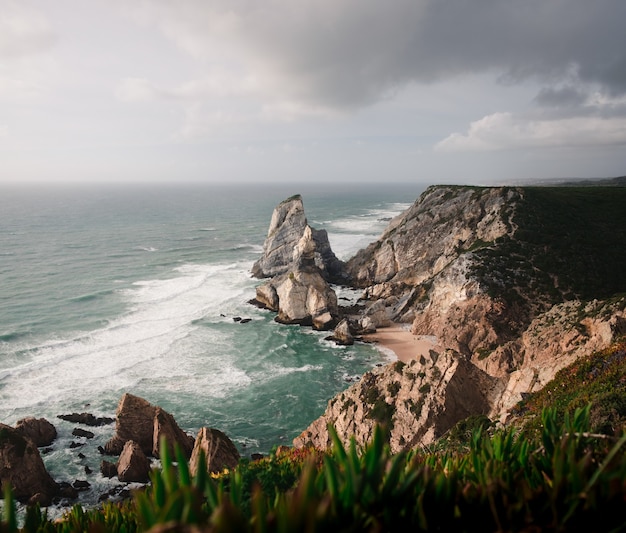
(133, 289)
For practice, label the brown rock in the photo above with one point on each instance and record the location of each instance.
(417, 402)
(21, 466)
(219, 451)
(144, 423)
(165, 427)
(342, 334)
(108, 469)
(134, 421)
(133, 465)
(39, 430)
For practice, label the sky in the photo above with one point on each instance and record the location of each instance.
(228, 91)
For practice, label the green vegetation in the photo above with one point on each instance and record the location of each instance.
(560, 480)
(598, 380)
(569, 244)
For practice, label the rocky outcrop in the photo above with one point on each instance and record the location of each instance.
(145, 424)
(21, 466)
(416, 402)
(503, 276)
(302, 295)
(133, 465)
(282, 249)
(553, 341)
(218, 450)
(424, 240)
(38, 430)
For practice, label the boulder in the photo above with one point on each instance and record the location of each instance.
(133, 465)
(108, 469)
(22, 467)
(166, 427)
(305, 298)
(219, 451)
(78, 432)
(144, 423)
(342, 334)
(39, 430)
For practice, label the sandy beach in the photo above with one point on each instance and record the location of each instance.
(399, 339)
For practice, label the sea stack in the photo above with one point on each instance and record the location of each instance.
(301, 263)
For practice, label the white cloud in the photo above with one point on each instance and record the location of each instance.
(508, 131)
(23, 31)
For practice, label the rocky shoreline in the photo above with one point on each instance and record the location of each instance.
(141, 429)
(483, 306)
(477, 303)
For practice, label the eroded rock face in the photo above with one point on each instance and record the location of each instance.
(417, 402)
(422, 241)
(284, 247)
(133, 465)
(166, 427)
(144, 423)
(219, 451)
(553, 341)
(38, 430)
(22, 467)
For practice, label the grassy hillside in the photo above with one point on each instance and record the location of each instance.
(569, 243)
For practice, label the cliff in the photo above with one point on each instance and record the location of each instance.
(516, 283)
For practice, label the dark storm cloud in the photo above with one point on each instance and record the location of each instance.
(353, 53)
(561, 97)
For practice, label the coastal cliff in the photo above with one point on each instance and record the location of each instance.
(515, 283)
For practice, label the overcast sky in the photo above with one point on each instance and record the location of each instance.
(455, 91)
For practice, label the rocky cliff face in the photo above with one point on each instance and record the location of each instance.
(417, 402)
(505, 278)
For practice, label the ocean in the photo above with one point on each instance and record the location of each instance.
(113, 289)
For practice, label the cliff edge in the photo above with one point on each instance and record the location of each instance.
(514, 282)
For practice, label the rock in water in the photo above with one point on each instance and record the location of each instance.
(219, 451)
(133, 465)
(301, 296)
(165, 426)
(21, 467)
(39, 430)
(144, 423)
(342, 334)
(280, 253)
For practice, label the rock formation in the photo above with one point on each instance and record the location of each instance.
(144, 423)
(416, 402)
(299, 291)
(280, 250)
(506, 279)
(219, 451)
(21, 466)
(38, 430)
(133, 465)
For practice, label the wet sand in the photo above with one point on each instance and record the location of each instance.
(402, 342)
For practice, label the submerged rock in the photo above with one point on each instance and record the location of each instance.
(87, 419)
